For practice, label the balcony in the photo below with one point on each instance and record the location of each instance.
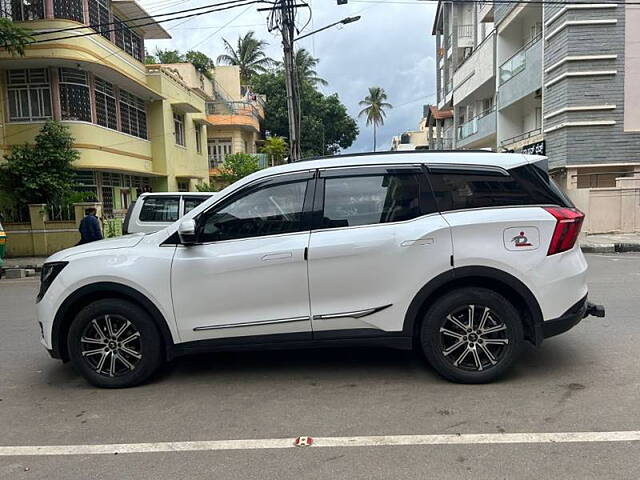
(464, 35)
(477, 72)
(526, 66)
(517, 141)
(234, 113)
(478, 130)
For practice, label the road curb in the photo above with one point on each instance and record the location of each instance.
(611, 248)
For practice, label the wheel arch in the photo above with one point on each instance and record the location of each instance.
(98, 291)
(502, 282)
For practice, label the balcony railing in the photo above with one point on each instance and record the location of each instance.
(520, 137)
(465, 31)
(471, 127)
(517, 63)
(221, 107)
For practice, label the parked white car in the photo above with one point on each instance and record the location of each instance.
(154, 211)
(464, 256)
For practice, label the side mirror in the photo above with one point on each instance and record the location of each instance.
(187, 232)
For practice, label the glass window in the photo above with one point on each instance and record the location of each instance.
(178, 128)
(22, 11)
(105, 104)
(192, 202)
(160, 209)
(71, 9)
(75, 101)
(29, 94)
(198, 138)
(133, 115)
(459, 189)
(218, 149)
(371, 199)
(99, 16)
(270, 210)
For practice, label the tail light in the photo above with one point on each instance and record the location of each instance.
(568, 224)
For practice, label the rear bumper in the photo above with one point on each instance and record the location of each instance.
(571, 317)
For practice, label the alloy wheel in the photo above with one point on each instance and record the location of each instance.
(473, 338)
(111, 345)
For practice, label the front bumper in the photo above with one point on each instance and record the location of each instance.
(571, 317)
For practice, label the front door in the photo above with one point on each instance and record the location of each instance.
(376, 241)
(247, 274)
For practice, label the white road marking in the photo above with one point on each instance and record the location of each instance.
(323, 442)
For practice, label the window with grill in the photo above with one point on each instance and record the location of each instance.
(133, 115)
(22, 11)
(106, 104)
(127, 40)
(178, 127)
(29, 93)
(99, 16)
(75, 101)
(71, 9)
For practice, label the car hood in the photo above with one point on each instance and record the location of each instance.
(126, 241)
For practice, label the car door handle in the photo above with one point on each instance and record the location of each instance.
(276, 256)
(415, 243)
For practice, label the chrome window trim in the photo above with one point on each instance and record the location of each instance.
(354, 314)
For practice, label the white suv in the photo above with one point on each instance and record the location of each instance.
(462, 255)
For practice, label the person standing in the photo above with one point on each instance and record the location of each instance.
(90, 230)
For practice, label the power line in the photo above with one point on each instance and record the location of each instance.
(146, 17)
(558, 3)
(236, 4)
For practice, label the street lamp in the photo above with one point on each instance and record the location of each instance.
(344, 21)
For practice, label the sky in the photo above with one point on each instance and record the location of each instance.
(390, 47)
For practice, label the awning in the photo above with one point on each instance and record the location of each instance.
(132, 9)
(185, 107)
(203, 121)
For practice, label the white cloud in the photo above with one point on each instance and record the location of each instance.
(391, 47)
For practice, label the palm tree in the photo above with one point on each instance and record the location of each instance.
(306, 68)
(374, 104)
(248, 55)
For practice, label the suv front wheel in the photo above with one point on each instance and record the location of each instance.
(114, 343)
(471, 335)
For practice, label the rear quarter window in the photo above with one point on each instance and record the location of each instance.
(458, 189)
(160, 209)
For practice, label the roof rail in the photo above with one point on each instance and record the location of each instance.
(391, 152)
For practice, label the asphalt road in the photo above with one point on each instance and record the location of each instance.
(587, 380)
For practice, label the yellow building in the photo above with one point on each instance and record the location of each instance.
(136, 127)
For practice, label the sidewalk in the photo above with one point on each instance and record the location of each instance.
(602, 243)
(610, 243)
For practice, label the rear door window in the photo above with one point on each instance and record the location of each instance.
(160, 209)
(393, 195)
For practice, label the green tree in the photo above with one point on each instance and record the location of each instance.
(149, 58)
(169, 56)
(41, 172)
(276, 149)
(201, 61)
(13, 38)
(237, 166)
(248, 55)
(326, 126)
(375, 104)
(306, 68)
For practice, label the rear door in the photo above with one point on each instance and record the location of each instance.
(377, 239)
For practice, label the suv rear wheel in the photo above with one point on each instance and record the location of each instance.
(114, 343)
(471, 335)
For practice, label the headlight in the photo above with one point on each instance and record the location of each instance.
(48, 274)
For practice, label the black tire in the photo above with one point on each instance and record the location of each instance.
(147, 344)
(503, 344)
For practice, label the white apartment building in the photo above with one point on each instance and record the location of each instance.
(549, 78)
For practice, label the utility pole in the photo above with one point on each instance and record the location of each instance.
(291, 78)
